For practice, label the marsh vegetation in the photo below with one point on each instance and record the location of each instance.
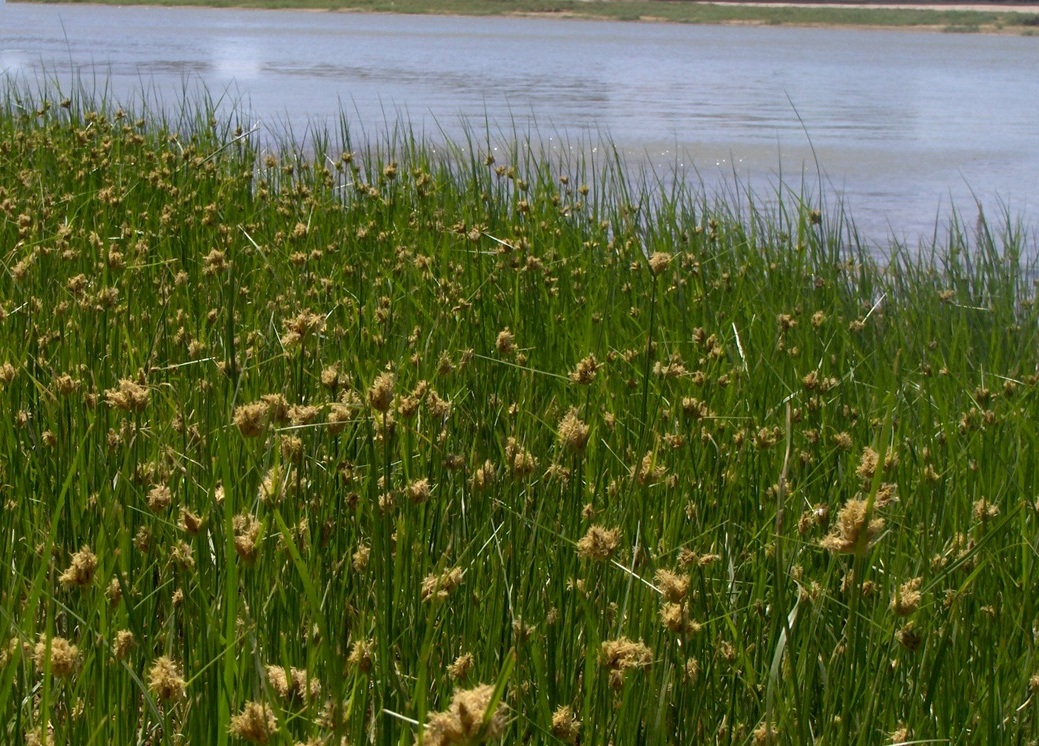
(363, 443)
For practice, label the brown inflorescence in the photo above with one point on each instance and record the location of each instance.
(598, 543)
(461, 666)
(255, 723)
(573, 433)
(659, 261)
(128, 396)
(673, 586)
(380, 393)
(64, 656)
(165, 679)
(468, 721)
(505, 343)
(246, 534)
(251, 419)
(81, 571)
(124, 643)
(622, 655)
(292, 683)
(856, 529)
(159, 498)
(438, 586)
(418, 491)
(907, 597)
(585, 371)
(565, 725)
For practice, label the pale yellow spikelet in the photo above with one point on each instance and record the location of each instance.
(65, 384)
(438, 408)
(301, 327)
(32, 738)
(159, 498)
(626, 653)
(659, 261)
(182, 554)
(984, 510)
(599, 543)
(565, 725)
(418, 491)
(64, 656)
(81, 571)
(276, 482)
(7, 373)
(124, 643)
(278, 679)
(483, 477)
(304, 686)
(303, 414)
(573, 433)
(246, 535)
(468, 720)
(214, 263)
(251, 419)
(649, 472)
(461, 666)
(359, 559)
(585, 371)
(255, 723)
(622, 655)
(165, 679)
(277, 408)
(505, 343)
(361, 655)
(673, 586)
(521, 461)
(764, 734)
(675, 618)
(856, 529)
(114, 592)
(867, 464)
(380, 394)
(330, 377)
(291, 448)
(339, 416)
(438, 586)
(190, 523)
(128, 396)
(907, 598)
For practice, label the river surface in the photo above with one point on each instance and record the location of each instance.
(903, 126)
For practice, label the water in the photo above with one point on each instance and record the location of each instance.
(903, 125)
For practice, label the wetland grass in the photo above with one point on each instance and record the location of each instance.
(371, 446)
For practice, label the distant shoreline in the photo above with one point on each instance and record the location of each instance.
(936, 6)
(969, 17)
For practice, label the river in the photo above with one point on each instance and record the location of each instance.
(903, 126)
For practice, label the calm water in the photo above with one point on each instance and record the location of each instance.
(902, 124)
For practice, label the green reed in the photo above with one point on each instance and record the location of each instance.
(319, 445)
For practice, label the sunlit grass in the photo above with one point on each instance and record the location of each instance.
(320, 447)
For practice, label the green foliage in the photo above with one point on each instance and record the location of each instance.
(335, 437)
